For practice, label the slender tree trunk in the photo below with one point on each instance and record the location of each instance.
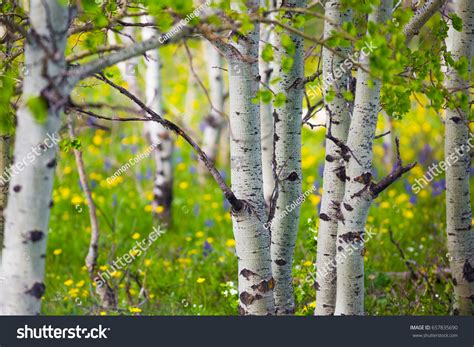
(158, 136)
(214, 121)
(93, 252)
(338, 120)
(266, 114)
(4, 163)
(252, 239)
(356, 202)
(287, 142)
(457, 144)
(29, 200)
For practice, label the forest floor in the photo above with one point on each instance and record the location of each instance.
(192, 270)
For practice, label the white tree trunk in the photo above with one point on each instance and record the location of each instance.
(266, 114)
(29, 200)
(287, 142)
(338, 120)
(356, 202)
(252, 239)
(458, 199)
(214, 121)
(4, 163)
(158, 136)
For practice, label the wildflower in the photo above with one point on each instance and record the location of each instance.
(68, 283)
(57, 251)
(200, 280)
(183, 185)
(134, 310)
(230, 243)
(136, 236)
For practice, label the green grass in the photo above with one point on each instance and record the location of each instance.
(192, 268)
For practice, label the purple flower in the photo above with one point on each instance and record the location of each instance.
(209, 223)
(149, 173)
(192, 169)
(196, 209)
(206, 249)
(134, 149)
(425, 154)
(438, 187)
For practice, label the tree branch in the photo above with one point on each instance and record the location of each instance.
(420, 18)
(155, 117)
(397, 171)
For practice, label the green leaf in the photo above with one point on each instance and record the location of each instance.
(286, 64)
(348, 95)
(267, 53)
(456, 21)
(288, 44)
(38, 107)
(279, 100)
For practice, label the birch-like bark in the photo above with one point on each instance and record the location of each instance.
(356, 202)
(458, 142)
(214, 121)
(266, 112)
(252, 239)
(287, 142)
(4, 163)
(158, 136)
(29, 200)
(338, 121)
(93, 251)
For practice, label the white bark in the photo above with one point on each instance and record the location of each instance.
(4, 163)
(158, 136)
(338, 120)
(357, 200)
(214, 121)
(287, 142)
(457, 140)
(266, 115)
(252, 239)
(29, 200)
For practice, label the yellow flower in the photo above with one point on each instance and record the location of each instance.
(214, 205)
(80, 284)
(181, 166)
(136, 236)
(65, 192)
(312, 304)
(67, 170)
(408, 214)
(57, 251)
(183, 185)
(103, 313)
(199, 234)
(392, 193)
(210, 240)
(201, 280)
(148, 262)
(68, 283)
(315, 199)
(134, 310)
(148, 208)
(151, 295)
(76, 200)
(207, 197)
(193, 252)
(308, 263)
(97, 140)
(230, 243)
(188, 238)
(221, 258)
(159, 209)
(103, 268)
(385, 204)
